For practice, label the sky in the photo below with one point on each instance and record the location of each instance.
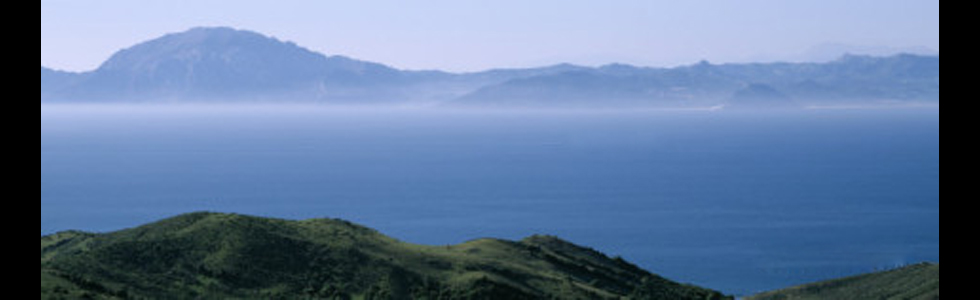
(474, 35)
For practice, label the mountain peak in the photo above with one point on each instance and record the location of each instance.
(221, 62)
(216, 32)
(223, 46)
(219, 30)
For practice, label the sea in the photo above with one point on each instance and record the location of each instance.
(737, 201)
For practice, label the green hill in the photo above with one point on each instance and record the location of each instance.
(918, 282)
(222, 256)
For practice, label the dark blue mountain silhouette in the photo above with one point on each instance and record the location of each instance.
(868, 80)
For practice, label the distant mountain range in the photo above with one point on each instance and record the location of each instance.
(228, 65)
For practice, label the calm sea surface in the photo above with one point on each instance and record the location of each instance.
(741, 202)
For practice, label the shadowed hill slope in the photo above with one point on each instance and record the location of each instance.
(917, 282)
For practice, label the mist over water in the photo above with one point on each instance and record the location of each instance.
(737, 201)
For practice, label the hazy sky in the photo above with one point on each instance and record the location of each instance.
(468, 35)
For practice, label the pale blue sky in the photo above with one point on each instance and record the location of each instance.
(469, 35)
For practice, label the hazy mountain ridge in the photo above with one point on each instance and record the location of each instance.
(228, 65)
(213, 256)
(852, 79)
(53, 81)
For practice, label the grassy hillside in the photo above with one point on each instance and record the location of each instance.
(918, 282)
(221, 256)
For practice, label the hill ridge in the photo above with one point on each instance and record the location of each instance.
(210, 255)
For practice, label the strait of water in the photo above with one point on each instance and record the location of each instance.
(736, 201)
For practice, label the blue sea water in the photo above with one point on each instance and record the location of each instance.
(736, 201)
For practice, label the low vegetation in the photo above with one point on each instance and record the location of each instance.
(223, 256)
(917, 282)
